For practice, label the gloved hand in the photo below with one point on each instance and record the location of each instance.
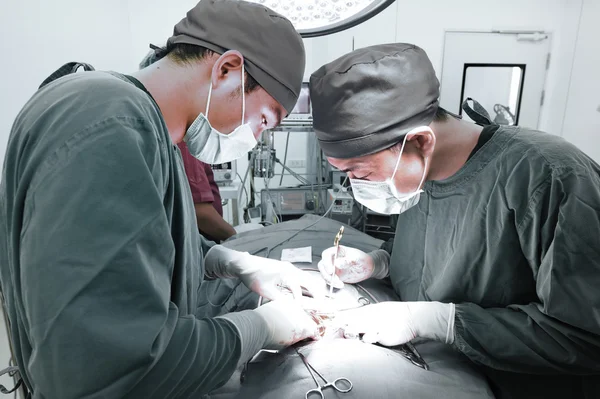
(353, 265)
(288, 323)
(269, 278)
(395, 323)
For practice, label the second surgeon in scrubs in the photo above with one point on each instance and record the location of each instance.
(496, 251)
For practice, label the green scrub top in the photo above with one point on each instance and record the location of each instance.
(513, 239)
(100, 257)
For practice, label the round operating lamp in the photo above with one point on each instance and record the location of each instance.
(314, 18)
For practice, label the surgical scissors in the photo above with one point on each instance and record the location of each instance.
(410, 353)
(339, 384)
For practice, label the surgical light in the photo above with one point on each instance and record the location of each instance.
(314, 18)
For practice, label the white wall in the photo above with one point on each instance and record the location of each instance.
(39, 36)
(152, 21)
(380, 29)
(582, 120)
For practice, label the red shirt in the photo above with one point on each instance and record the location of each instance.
(201, 179)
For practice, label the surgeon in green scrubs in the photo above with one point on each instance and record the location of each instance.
(497, 249)
(100, 256)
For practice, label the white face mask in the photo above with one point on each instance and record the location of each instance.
(382, 196)
(213, 147)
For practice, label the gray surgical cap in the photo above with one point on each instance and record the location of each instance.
(272, 48)
(367, 100)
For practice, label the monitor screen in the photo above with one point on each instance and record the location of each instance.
(303, 105)
(221, 166)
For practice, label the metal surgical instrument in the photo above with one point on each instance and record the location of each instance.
(336, 244)
(342, 384)
(414, 356)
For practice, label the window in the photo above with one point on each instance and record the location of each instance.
(497, 87)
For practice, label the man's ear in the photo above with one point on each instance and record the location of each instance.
(424, 141)
(228, 65)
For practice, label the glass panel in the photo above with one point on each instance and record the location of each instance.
(303, 104)
(497, 88)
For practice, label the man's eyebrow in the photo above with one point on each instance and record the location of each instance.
(350, 169)
(277, 112)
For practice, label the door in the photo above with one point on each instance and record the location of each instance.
(505, 72)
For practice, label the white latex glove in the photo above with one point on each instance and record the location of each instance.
(269, 278)
(352, 265)
(288, 323)
(396, 323)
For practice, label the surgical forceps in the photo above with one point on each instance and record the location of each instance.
(336, 244)
(339, 384)
(410, 353)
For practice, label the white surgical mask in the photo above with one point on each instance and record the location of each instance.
(382, 196)
(213, 147)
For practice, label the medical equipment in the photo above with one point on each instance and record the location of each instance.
(342, 204)
(224, 173)
(317, 166)
(263, 156)
(255, 214)
(336, 244)
(290, 200)
(264, 162)
(310, 197)
(275, 203)
(341, 384)
(338, 178)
